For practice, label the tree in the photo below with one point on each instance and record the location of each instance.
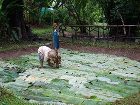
(35, 11)
(121, 12)
(83, 12)
(13, 10)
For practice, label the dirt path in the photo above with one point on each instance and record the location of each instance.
(130, 53)
(17, 53)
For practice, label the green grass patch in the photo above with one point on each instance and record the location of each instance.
(101, 43)
(8, 98)
(122, 89)
(23, 62)
(8, 75)
(42, 31)
(7, 46)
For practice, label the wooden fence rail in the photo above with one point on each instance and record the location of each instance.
(104, 31)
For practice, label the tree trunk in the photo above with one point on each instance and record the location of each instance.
(14, 12)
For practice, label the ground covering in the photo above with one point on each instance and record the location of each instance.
(83, 78)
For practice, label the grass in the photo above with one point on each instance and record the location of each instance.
(8, 98)
(42, 31)
(100, 43)
(6, 46)
(131, 100)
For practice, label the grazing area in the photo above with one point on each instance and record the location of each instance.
(82, 79)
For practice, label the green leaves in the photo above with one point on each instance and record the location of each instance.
(83, 11)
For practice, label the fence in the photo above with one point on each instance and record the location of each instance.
(120, 32)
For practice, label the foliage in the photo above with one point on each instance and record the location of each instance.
(92, 13)
(61, 14)
(113, 10)
(78, 11)
(33, 10)
(83, 11)
(120, 12)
